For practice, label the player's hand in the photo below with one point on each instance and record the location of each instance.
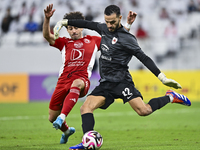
(58, 26)
(49, 11)
(56, 30)
(131, 17)
(168, 82)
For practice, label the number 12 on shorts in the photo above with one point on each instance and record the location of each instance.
(127, 93)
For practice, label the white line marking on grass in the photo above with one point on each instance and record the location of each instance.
(103, 114)
(22, 117)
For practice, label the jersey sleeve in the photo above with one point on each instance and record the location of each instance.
(59, 43)
(132, 47)
(97, 41)
(85, 24)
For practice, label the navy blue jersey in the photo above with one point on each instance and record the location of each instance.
(117, 49)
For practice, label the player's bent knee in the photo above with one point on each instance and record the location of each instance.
(143, 112)
(78, 83)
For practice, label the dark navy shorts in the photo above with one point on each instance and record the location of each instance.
(112, 90)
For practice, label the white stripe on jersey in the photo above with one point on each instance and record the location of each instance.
(63, 61)
(92, 61)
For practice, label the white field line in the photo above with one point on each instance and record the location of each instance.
(103, 114)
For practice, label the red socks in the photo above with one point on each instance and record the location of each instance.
(70, 100)
(68, 104)
(64, 126)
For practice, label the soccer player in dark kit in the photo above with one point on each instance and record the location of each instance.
(78, 57)
(117, 48)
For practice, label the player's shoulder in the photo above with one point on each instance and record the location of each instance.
(127, 35)
(88, 37)
(125, 31)
(92, 37)
(63, 39)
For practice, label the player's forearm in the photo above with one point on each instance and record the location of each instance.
(149, 63)
(84, 24)
(46, 31)
(46, 28)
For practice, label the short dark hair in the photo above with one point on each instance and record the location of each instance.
(112, 9)
(74, 15)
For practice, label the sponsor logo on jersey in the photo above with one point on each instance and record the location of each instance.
(106, 57)
(114, 40)
(104, 47)
(77, 54)
(78, 44)
(75, 63)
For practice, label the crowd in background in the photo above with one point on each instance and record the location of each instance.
(27, 16)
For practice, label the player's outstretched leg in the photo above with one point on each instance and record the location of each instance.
(65, 136)
(58, 123)
(79, 147)
(178, 98)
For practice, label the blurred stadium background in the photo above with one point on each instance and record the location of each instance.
(167, 30)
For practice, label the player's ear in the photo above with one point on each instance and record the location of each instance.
(120, 17)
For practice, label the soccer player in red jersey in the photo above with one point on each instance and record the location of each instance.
(78, 57)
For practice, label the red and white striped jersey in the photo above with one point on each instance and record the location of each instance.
(78, 56)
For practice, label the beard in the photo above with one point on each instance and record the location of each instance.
(117, 26)
(75, 36)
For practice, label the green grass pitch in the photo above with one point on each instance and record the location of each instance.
(174, 127)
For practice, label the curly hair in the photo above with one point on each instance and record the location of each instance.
(74, 15)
